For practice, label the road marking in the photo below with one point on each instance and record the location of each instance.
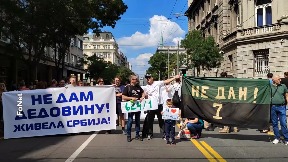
(213, 152)
(81, 148)
(203, 151)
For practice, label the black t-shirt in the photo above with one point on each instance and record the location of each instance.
(284, 81)
(133, 91)
(119, 89)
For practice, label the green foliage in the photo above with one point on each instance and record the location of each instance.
(159, 63)
(97, 67)
(33, 25)
(201, 52)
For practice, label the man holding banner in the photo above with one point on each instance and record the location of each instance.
(153, 92)
(132, 93)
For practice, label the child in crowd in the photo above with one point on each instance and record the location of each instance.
(170, 125)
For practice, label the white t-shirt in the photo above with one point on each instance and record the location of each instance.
(176, 87)
(153, 90)
(164, 94)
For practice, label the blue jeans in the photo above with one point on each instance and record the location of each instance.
(170, 129)
(137, 123)
(195, 128)
(278, 113)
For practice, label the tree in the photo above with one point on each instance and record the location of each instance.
(124, 73)
(202, 53)
(97, 67)
(159, 63)
(33, 25)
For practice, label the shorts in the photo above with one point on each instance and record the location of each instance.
(118, 109)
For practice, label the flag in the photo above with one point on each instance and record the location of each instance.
(227, 101)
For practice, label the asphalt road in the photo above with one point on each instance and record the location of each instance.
(246, 145)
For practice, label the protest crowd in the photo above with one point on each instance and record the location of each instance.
(167, 94)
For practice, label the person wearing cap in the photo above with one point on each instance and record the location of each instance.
(153, 92)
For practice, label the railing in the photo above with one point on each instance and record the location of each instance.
(269, 29)
(169, 47)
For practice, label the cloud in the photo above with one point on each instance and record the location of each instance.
(140, 63)
(176, 40)
(159, 25)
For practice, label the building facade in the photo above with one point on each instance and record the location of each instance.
(72, 61)
(104, 46)
(251, 34)
(14, 69)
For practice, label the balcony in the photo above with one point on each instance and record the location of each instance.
(256, 32)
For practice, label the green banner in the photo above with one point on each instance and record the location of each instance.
(227, 101)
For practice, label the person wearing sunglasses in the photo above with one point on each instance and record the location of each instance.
(100, 81)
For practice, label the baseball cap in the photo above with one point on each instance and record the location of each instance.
(148, 76)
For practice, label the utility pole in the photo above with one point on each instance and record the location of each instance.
(177, 72)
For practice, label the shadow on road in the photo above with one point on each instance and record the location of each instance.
(264, 138)
(24, 149)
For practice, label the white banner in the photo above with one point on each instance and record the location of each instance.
(135, 106)
(170, 113)
(58, 111)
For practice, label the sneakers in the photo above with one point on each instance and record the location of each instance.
(173, 143)
(129, 139)
(195, 137)
(124, 132)
(275, 141)
(149, 137)
(168, 142)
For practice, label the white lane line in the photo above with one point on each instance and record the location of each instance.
(81, 148)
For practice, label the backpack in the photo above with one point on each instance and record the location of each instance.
(176, 99)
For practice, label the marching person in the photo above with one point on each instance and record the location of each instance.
(153, 92)
(279, 98)
(132, 93)
(119, 90)
(72, 82)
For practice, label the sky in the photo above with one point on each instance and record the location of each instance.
(138, 32)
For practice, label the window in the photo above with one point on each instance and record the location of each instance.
(106, 46)
(263, 12)
(231, 62)
(107, 36)
(105, 55)
(261, 62)
(85, 46)
(73, 58)
(66, 58)
(98, 46)
(80, 43)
